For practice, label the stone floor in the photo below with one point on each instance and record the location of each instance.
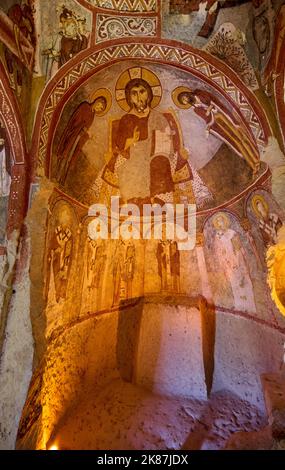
(123, 416)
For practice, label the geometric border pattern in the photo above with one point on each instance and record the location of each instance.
(10, 116)
(139, 6)
(7, 115)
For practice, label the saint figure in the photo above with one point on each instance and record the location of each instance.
(219, 122)
(232, 260)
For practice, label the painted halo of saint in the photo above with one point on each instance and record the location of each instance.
(269, 222)
(257, 202)
(105, 94)
(221, 220)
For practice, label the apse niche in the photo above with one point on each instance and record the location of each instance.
(144, 337)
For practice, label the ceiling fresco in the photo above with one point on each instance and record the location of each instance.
(188, 134)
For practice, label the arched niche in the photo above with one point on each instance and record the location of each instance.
(201, 65)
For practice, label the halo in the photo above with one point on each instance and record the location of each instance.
(105, 93)
(62, 214)
(176, 92)
(258, 198)
(137, 72)
(221, 215)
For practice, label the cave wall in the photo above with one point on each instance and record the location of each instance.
(68, 314)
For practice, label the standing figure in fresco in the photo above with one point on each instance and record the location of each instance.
(119, 291)
(72, 40)
(75, 135)
(96, 261)
(163, 262)
(129, 270)
(261, 32)
(174, 255)
(232, 259)
(60, 260)
(226, 127)
(269, 222)
(262, 29)
(168, 260)
(146, 161)
(69, 41)
(270, 72)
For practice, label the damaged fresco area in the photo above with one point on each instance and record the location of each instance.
(240, 33)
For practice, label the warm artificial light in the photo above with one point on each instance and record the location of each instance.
(53, 447)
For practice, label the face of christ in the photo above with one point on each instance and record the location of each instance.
(139, 98)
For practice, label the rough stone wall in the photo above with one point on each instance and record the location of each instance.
(17, 352)
(245, 350)
(83, 357)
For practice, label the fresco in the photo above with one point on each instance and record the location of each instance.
(21, 32)
(210, 8)
(151, 136)
(94, 272)
(65, 31)
(168, 259)
(270, 71)
(154, 136)
(59, 261)
(219, 122)
(5, 181)
(110, 28)
(228, 44)
(248, 45)
(267, 218)
(263, 29)
(139, 6)
(197, 21)
(124, 117)
(234, 263)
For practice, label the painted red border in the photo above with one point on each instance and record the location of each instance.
(58, 332)
(280, 91)
(18, 199)
(91, 7)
